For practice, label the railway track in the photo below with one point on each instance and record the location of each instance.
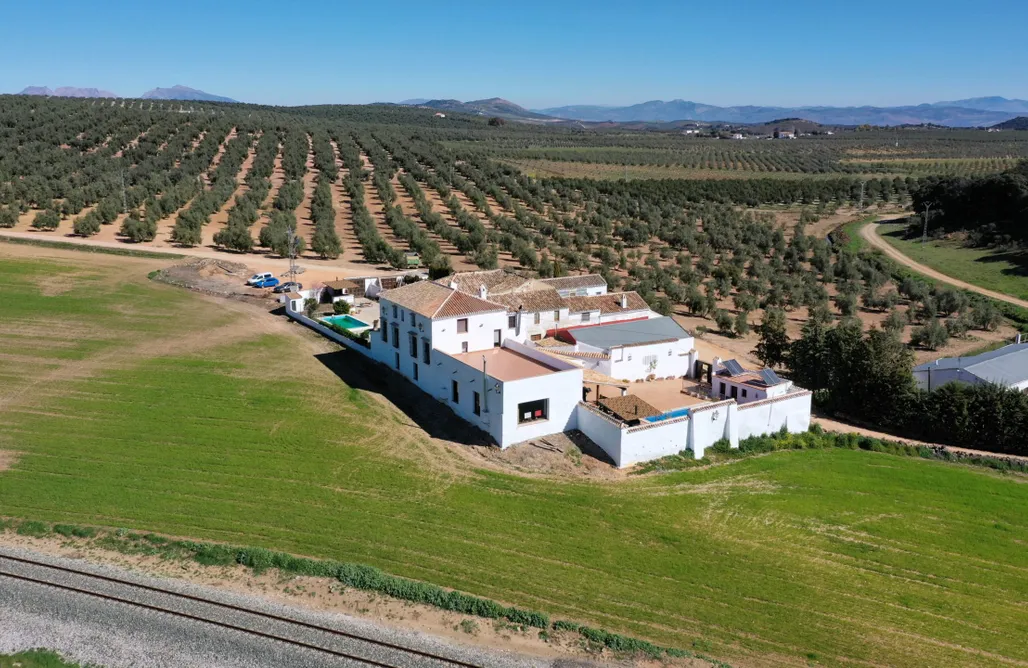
(404, 656)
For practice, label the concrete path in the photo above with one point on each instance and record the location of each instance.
(870, 234)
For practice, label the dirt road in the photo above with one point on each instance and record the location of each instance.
(870, 234)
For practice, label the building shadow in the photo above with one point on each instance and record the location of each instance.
(432, 416)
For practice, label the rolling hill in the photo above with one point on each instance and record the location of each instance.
(1019, 123)
(494, 106)
(67, 91)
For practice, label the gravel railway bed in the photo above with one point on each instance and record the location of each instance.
(111, 617)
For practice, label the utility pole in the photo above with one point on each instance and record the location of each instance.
(927, 209)
(124, 202)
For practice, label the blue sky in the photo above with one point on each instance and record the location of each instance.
(532, 52)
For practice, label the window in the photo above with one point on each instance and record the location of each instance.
(403, 315)
(497, 338)
(581, 292)
(722, 389)
(538, 318)
(462, 326)
(415, 371)
(669, 352)
(476, 406)
(512, 321)
(744, 393)
(464, 346)
(533, 411)
(735, 392)
(586, 316)
(413, 320)
(396, 335)
(537, 337)
(426, 356)
(394, 311)
(385, 331)
(556, 316)
(454, 392)
(397, 361)
(413, 341)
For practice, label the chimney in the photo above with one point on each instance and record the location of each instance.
(482, 292)
(453, 284)
(624, 301)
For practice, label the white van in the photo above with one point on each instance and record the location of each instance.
(259, 278)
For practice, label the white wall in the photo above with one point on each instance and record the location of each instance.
(770, 415)
(563, 389)
(328, 333)
(673, 359)
(527, 328)
(709, 423)
(602, 430)
(646, 442)
(619, 316)
(751, 393)
(478, 337)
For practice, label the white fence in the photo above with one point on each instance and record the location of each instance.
(328, 333)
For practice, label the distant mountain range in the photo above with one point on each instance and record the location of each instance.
(173, 93)
(67, 91)
(183, 93)
(980, 111)
(1019, 123)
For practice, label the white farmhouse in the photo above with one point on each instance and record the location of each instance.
(1007, 366)
(469, 342)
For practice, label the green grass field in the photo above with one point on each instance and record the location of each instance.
(137, 405)
(34, 659)
(993, 270)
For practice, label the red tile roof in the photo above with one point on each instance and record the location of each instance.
(437, 301)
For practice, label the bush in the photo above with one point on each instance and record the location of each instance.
(341, 307)
(72, 531)
(46, 220)
(33, 528)
(932, 335)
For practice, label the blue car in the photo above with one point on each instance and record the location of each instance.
(266, 283)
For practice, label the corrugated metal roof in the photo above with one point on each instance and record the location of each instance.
(632, 333)
(1004, 366)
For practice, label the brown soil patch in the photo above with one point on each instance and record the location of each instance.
(8, 458)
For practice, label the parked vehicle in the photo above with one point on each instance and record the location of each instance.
(257, 278)
(266, 282)
(289, 286)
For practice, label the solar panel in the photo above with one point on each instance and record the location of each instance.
(770, 377)
(733, 367)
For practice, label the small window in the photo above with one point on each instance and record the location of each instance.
(556, 316)
(413, 320)
(537, 337)
(476, 406)
(397, 361)
(669, 352)
(415, 371)
(512, 321)
(744, 393)
(462, 326)
(586, 316)
(413, 344)
(403, 316)
(533, 411)
(396, 335)
(464, 346)
(454, 392)
(497, 338)
(394, 311)
(385, 331)
(426, 356)
(538, 318)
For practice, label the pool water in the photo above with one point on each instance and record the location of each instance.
(345, 321)
(670, 415)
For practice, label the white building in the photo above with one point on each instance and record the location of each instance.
(732, 381)
(633, 350)
(1007, 366)
(467, 342)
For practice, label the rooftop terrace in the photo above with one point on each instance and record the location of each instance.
(505, 365)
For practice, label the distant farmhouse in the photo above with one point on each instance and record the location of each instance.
(522, 358)
(785, 134)
(1007, 366)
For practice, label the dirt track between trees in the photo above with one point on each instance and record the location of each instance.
(870, 235)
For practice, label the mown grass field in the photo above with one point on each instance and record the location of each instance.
(136, 405)
(1001, 271)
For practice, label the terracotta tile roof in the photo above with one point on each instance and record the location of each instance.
(436, 301)
(341, 284)
(459, 304)
(531, 301)
(629, 407)
(573, 282)
(496, 281)
(608, 303)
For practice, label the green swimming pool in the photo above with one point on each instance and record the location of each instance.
(345, 321)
